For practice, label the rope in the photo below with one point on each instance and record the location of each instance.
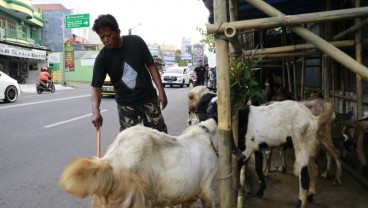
(228, 176)
(218, 28)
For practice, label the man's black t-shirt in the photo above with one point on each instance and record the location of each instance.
(126, 67)
(200, 74)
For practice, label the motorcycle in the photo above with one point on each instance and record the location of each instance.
(42, 87)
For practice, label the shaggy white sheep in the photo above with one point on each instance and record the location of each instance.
(147, 168)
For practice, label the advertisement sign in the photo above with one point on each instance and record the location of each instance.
(169, 56)
(186, 49)
(198, 53)
(69, 54)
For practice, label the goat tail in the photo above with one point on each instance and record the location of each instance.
(327, 113)
(84, 177)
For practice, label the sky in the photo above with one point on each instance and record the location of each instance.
(156, 21)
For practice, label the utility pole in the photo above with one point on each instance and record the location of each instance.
(130, 29)
(63, 52)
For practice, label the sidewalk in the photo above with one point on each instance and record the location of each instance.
(31, 88)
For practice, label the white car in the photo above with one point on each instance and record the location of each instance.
(9, 88)
(176, 76)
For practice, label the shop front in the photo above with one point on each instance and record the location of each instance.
(21, 62)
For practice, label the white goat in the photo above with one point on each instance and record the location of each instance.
(147, 168)
(269, 126)
(323, 136)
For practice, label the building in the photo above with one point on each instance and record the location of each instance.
(21, 49)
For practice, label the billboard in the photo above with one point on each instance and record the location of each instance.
(198, 53)
(186, 49)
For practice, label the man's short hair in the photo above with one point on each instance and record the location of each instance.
(105, 20)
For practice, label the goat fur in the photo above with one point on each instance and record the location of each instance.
(354, 136)
(194, 96)
(147, 168)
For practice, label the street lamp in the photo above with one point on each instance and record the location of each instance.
(130, 29)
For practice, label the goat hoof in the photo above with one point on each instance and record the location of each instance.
(259, 194)
(310, 198)
(281, 169)
(337, 182)
(324, 175)
(299, 204)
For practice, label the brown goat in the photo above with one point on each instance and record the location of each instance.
(354, 135)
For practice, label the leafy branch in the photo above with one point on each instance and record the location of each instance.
(207, 39)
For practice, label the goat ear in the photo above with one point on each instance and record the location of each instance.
(190, 95)
(351, 132)
(211, 125)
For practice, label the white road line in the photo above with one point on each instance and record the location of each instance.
(70, 120)
(39, 102)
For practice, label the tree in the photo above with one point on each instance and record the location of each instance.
(182, 62)
(207, 39)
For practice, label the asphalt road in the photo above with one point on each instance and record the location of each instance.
(40, 134)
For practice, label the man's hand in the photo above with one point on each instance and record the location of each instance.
(162, 99)
(97, 119)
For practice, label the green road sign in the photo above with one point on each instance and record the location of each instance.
(77, 21)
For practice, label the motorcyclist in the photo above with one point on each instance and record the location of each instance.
(45, 77)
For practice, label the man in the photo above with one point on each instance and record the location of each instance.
(45, 77)
(199, 72)
(129, 63)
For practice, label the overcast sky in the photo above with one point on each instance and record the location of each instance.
(160, 21)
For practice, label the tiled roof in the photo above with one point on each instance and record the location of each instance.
(49, 6)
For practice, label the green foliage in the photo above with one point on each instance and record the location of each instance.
(180, 61)
(244, 87)
(207, 39)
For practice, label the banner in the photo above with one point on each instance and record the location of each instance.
(69, 54)
(186, 49)
(10, 50)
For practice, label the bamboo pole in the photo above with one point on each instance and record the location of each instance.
(302, 80)
(235, 50)
(350, 30)
(288, 20)
(232, 37)
(358, 57)
(327, 60)
(224, 114)
(295, 84)
(340, 44)
(321, 44)
(284, 55)
(284, 42)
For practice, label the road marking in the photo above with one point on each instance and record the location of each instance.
(40, 102)
(70, 120)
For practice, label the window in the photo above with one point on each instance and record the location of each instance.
(2, 22)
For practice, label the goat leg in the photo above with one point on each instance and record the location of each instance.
(237, 152)
(259, 165)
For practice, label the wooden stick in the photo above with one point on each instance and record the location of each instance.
(99, 142)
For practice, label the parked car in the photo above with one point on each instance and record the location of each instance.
(176, 76)
(107, 87)
(9, 88)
